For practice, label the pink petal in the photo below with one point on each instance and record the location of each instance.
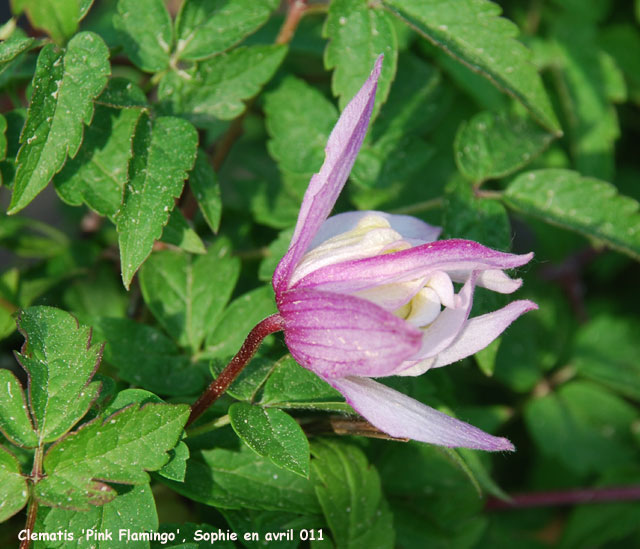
(401, 416)
(409, 227)
(482, 330)
(460, 256)
(337, 335)
(342, 148)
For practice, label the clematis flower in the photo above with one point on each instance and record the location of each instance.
(363, 295)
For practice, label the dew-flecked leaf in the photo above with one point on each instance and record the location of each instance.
(350, 494)
(207, 27)
(58, 18)
(133, 509)
(582, 204)
(273, 434)
(187, 294)
(357, 35)
(60, 361)
(12, 47)
(163, 153)
(493, 145)
(215, 88)
(204, 185)
(243, 480)
(15, 422)
(145, 32)
(179, 232)
(299, 121)
(13, 486)
(64, 87)
(147, 358)
(473, 32)
(119, 448)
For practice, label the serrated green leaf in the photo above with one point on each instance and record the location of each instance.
(492, 145)
(299, 121)
(357, 35)
(273, 434)
(15, 422)
(215, 88)
(581, 204)
(145, 32)
(243, 480)
(98, 173)
(120, 448)
(207, 27)
(133, 510)
(350, 494)
(606, 351)
(60, 361)
(12, 47)
(58, 18)
(162, 156)
(64, 87)
(13, 486)
(179, 232)
(583, 426)
(473, 32)
(292, 386)
(145, 357)
(592, 120)
(238, 320)
(187, 294)
(122, 93)
(204, 185)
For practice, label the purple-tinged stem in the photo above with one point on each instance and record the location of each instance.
(269, 325)
(567, 497)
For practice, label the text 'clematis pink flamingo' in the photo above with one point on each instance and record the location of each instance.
(369, 294)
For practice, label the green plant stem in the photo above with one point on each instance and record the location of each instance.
(269, 325)
(566, 497)
(32, 509)
(210, 426)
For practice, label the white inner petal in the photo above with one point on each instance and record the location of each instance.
(372, 236)
(425, 307)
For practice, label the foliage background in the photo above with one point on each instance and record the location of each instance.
(134, 100)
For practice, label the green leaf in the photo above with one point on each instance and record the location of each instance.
(357, 35)
(177, 287)
(215, 89)
(238, 320)
(581, 204)
(187, 531)
(145, 32)
(583, 426)
(473, 32)
(60, 361)
(58, 18)
(299, 120)
(27, 237)
(179, 232)
(207, 27)
(119, 448)
(12, 47)
(350, 494)
(133, 509)
(292, 386)
(15, 121)
(492, 145)
(13, 486)
(15, 421)
(243, 480)
(162, 156)
(275, 252)
(250, 380)
(204, 185)
(99, 172)
(64, 87)
(145, 357)
(606, 351)
(273, 434)
(620, 41)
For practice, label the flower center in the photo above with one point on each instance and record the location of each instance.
(425, 306)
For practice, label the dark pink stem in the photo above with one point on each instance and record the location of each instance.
(568, 497)
(269, 325)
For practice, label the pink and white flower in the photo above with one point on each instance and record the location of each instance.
(369, 294)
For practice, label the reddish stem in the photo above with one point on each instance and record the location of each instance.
(269, 325)
(568, 497)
